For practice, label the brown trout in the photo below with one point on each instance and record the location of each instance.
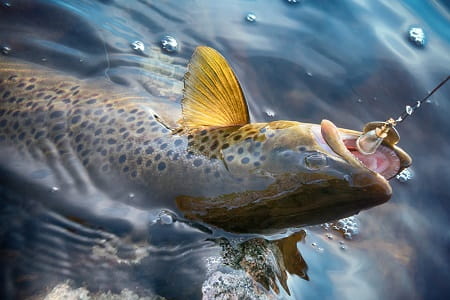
(202, 157)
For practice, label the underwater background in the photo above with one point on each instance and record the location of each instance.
(349, 61)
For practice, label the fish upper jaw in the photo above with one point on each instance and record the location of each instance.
(373, 169)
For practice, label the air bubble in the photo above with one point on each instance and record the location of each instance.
(251, 17)
(6, 50)
(405, 175)
(270, 113)
(169, 44)
(409, 110)
(309, 74)
(316, 161)
(7, 4)
(349, 227)
(165, 217)
(293, 1)
(359, 100)
(131, 196)
(417, 36)
(329, 236)
(138, 46)
(55, 189)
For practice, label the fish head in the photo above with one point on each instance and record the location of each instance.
(296, 174)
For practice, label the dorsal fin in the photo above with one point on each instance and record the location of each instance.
(212, 94)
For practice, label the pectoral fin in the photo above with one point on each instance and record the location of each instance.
(212, 94)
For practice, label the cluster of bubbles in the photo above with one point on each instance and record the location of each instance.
(167, 43)
(349, 227)
(5, 50)
(405, 175)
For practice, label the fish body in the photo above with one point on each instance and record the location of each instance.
(211, 164)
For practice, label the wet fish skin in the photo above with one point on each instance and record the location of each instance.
(241, 177)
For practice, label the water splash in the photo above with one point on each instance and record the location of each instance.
(405, 175)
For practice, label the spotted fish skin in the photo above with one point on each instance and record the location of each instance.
(45, 116)
(212, 165)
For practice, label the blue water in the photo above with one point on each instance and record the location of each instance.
(347, 61)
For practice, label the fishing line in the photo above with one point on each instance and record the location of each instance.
(375, 132)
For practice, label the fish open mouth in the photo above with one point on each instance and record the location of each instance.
(384, 161)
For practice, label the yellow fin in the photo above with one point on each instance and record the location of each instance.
(212, 94)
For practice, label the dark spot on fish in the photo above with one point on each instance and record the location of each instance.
(67, 100)
(125, 135)
(79, 137)
(21, 136)
(6, 94)
(12, 99)
(262, 158)
(16, 125)
(104, 152)
(161, 166)
(149, 150)
(140, 130)
(112, 141)
(133, 174)
(301, 149)
(98, 112)
(129, 145)
(245, 160)
(91, 101)
(139, 123)
(240, 150)
(98, 131)
(120, 111)
(30, 87)
(191, 143)
(122, 129)
(237, 137)
(84, 124)
(130, 119)
(178, 142)
(158, 157)
(58, 137)
(203, 132)
(133, 111)
(110, 131)
(39, 134)
(230, 157)
(201, 148)
(139, 160)
(148, 163)
(256, 163)
(103, 119)
(119, 148)
(163, 146)
(153, 123)
(59, 126)
(122, 158)
(205, 139)
(79, 147)
(197, 162)
(214, 145)
(217, 174)
(190, 137)
(56, 114)
(225, 146)
(126, 169)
